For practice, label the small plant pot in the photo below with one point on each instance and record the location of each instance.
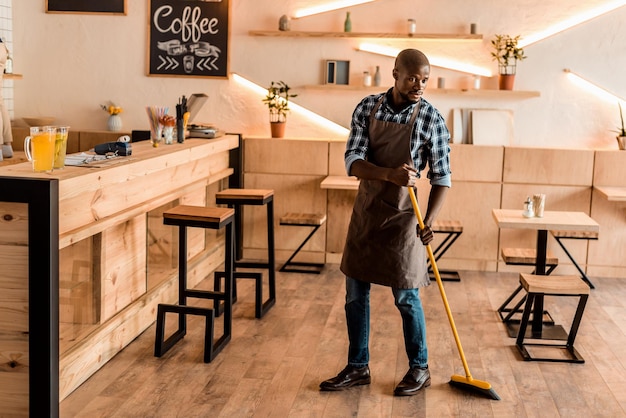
(621, 142)
(506, 81)
(278, 129)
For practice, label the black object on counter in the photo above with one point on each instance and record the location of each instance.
(119, 148)
(181, 109)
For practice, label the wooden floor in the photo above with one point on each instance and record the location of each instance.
(273, 366)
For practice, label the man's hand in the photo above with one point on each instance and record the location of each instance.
(404, 175)
(426, 234)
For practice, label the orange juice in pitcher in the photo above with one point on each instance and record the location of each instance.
(39, 148)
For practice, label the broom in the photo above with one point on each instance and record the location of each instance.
(462, 382)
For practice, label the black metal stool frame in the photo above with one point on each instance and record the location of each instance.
(211, 348)
(569, 344)
(446, 275)
(261, 307)
(316, 268)
(580, 270)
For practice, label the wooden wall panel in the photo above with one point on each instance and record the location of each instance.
(606, 255)
(292, 193)
(548, 166)
(276, 156)
(476, 163)
(610, 169)
(14, 310)
(120, 259)
(336, 164)
(340, 203)
(471, 203)
(79, 292)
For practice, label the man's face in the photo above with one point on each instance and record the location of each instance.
(411, 82)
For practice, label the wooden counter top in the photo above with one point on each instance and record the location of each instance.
(96, 197)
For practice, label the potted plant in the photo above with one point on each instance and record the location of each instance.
(507, 53)
(277, 101)
(621, 132)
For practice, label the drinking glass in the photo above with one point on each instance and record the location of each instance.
(39, 148)
(60, 146)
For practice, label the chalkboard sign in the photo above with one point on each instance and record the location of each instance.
(86, 6)
(188, 38)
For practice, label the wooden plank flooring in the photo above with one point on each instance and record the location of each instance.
(273, 366)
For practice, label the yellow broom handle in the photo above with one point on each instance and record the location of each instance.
(431, 256)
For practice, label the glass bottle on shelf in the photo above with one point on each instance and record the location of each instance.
(347, 25)
(377, 76)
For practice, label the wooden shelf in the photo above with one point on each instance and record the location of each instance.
(488, 93)
(12, 76)
(422, 36)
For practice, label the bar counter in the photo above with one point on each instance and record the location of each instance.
(86, 258)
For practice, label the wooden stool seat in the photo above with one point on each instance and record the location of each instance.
(315, 220)
(244, 196)
(575, 234)
(526, 257)
(237, 198)
(540, 286)
(554, 285)
(447, 225)
(185, 216)
(588, 235)
(453, 230)
(523, 257)
(199, 216)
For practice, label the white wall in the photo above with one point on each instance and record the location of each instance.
(72, 63)
(6, 32)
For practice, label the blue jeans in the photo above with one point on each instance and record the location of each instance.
(408, 303)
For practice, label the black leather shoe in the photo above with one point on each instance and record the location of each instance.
(348, 377)
(414, 380)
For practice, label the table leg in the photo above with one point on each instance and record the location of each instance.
(540, 268)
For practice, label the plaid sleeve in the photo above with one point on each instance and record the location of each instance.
(358, 140)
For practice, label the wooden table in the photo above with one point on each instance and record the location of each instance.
(551, 220)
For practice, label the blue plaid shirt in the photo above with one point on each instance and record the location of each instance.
(429, 137)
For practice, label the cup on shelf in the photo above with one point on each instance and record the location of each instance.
(39, 148)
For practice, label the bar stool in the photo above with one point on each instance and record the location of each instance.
(198, 217)
(236, 198)
(539, 286)
(523, 257)
(314, 220)
(452, 230)
(588, 235)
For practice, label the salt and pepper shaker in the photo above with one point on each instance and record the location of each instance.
(528, 208)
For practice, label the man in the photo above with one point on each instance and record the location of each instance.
(393, 136)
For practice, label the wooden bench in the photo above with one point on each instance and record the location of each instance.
(588, 235)
(539, 286)
(314, 220)
(523, 257)
(453, 230)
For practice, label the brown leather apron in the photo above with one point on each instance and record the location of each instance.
(382, 246)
